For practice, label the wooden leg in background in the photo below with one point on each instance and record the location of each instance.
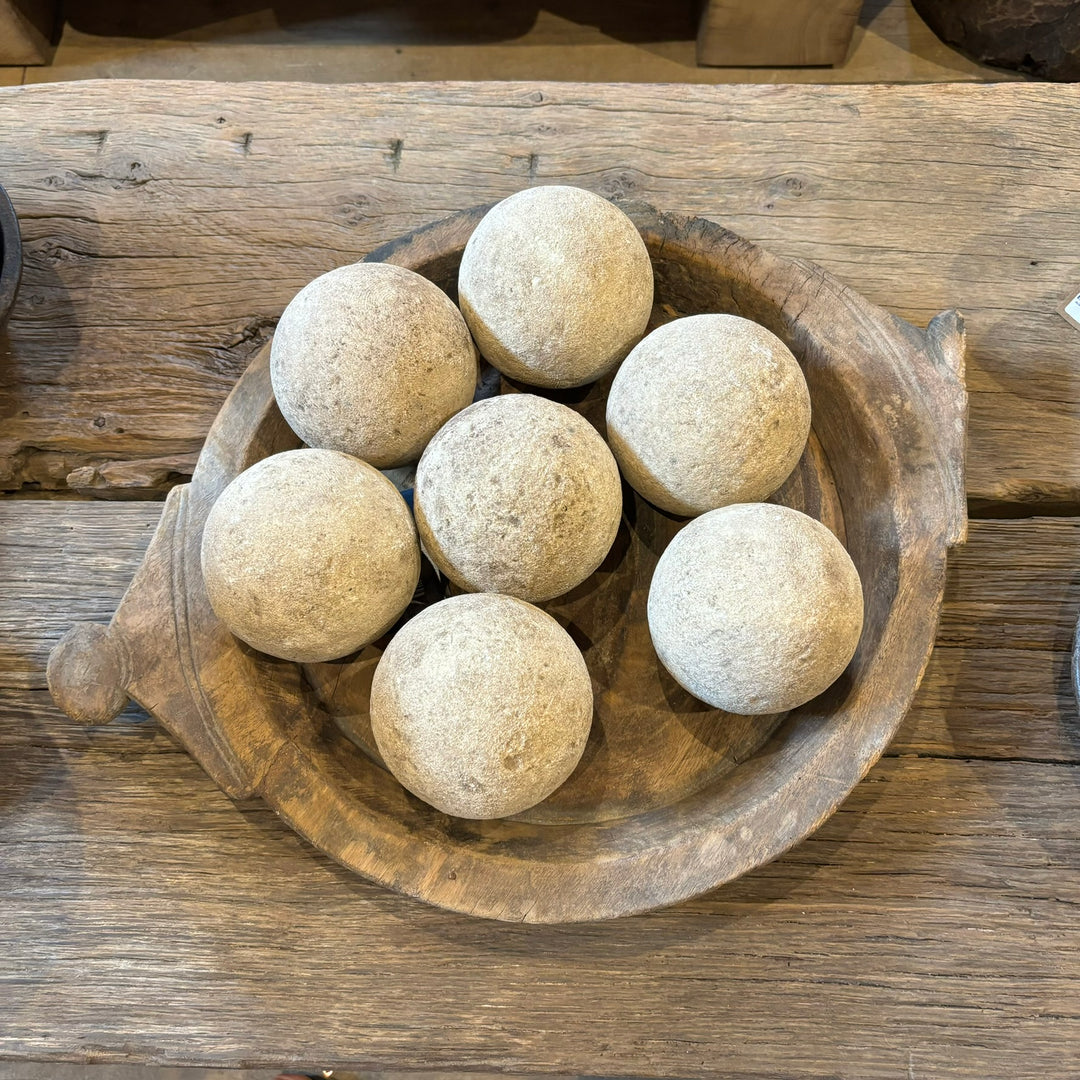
(26, 28)
(775, 33)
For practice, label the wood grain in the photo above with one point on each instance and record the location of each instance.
(183, 252)
(996, 687)
(932, 919)
(52, 552)
(31, 1070)
(776, 33)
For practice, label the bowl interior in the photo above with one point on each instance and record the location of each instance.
(652, 744)
(671, 798)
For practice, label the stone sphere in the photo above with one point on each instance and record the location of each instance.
(309, 555)
(707, 411)
(755, 608)
(556, 285)
(371, 359)
(517, 495)
(481, 705)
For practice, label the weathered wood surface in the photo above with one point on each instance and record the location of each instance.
(931, 922)
(33, 1070)
(156, 266)
(996, 685)
(776, 33)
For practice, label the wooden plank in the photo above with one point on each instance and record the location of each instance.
(57, 559)
(1000, 703)
(931, 919)
(39, 1070)
(776, 33)
(997, 684)
(36, 1070)
(182, 251)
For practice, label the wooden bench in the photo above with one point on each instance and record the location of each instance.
(928, 929)
(776, 33)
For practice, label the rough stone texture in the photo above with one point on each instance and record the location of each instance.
(481, 705)
(556, 286)
(518, 494)
(309, 555)
(755, 608)
(706, 411)
(1041, 37)
(372, 359)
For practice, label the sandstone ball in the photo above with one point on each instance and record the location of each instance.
(518, 495)
(371, 359)
(309, 555)
(755, 608)
(481, 705)
(556, 285)
(707, 411)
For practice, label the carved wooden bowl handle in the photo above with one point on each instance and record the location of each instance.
(88, 673)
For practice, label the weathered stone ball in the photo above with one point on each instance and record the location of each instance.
(371, 359)
(755, 608)
(309, 555)
(481, 705)
(517, 494)
(707, 411)
(556, 285)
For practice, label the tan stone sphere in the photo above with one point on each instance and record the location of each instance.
(707, 411)
(309, 555)
(755, 608)
(481, 705)
(517, 494)
(371, 359)
(556, 285)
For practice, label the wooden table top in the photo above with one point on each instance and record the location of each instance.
(928, 929)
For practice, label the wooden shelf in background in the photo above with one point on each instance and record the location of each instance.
(776, 33)
(26, 28)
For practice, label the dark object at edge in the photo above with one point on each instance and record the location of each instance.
(10, 256)
(1076, 664)
(1039, 37)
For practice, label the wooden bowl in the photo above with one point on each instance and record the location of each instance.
(672, 798)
